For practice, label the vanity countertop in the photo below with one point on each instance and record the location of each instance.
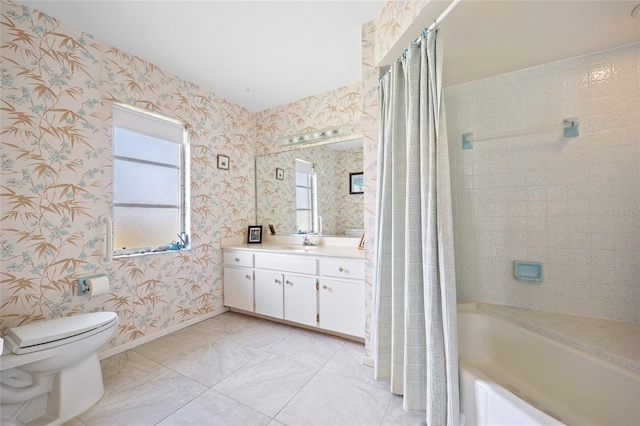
(298, 249)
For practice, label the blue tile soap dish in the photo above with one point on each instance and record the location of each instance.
(528, 271)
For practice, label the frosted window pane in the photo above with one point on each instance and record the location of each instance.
(303, 198)
(303, 179)
(145, 184)
(143, 227)
(136, 145)
(304, 222)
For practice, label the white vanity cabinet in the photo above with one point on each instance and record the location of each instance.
(300, 299)
(286, 296)
(238, 280)
(317, 291)
(341, 296)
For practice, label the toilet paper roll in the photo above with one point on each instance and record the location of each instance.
(97, 286)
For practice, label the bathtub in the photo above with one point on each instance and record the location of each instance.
(512, 376)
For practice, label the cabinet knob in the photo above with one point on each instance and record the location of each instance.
(277, 281)
(325, 287)
(248, 277)
(341, 269)
(237, 259)
(288, 282)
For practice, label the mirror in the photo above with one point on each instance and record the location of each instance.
(336, 210)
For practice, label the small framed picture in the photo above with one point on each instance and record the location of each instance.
(272, 229)
(361, 245)
(255, 235)
(223, 162)
(279, 174)
(356, 183)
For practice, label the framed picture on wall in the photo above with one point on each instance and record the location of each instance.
(356, 183)
(279, 174)
(223, 162)
(254, 235)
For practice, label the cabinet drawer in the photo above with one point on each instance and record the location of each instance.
(299, 264)
(234, 258)
(353, 269)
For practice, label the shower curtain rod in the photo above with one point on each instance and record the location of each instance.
(432, 27)
(443, 15)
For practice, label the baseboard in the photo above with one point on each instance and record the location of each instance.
(141, 341)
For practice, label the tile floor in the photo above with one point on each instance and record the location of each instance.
(235, 369)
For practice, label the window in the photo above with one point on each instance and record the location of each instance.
(305, 197)
(150, 177)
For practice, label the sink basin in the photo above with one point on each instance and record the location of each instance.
(292, 247)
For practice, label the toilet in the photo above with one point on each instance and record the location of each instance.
(50, 370)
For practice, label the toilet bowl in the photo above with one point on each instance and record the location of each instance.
(50, 370)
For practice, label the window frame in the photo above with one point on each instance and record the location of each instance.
(184, 154)
(313, 202)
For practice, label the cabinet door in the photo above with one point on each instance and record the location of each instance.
(269, 294)
(341, 306)
(300, 299)
(238, 288)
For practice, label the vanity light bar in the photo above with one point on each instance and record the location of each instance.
(315, 136)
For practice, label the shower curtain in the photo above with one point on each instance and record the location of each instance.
(414, 333)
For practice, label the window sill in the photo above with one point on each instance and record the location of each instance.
(147, 253)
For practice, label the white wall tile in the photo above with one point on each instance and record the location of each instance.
(573, 204)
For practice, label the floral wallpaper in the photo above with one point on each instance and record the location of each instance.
(58, 86)
(276, 204)
(330, 109)
(392, 22)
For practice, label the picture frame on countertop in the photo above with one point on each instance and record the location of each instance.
(254, 236)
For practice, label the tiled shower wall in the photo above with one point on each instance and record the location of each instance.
(571, 203)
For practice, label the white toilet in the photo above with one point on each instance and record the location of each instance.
(51, 371)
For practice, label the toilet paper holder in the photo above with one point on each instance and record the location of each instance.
(83, 287)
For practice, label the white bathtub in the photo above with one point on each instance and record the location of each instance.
(554, 383)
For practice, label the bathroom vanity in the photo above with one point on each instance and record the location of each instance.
(320, 286)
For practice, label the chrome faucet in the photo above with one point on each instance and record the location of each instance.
(306, 241)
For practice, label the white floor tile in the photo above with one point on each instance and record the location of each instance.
(176, 345)
(262, 335)
(396, 416)
(304, 378)
(145, 401)
(331, 399)
(308, 347)
(211, 364)
(212, 408)
(266, 384)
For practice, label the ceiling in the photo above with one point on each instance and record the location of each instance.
(261, 54)
(257, 54)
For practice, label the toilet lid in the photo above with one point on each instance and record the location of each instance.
(60, 328)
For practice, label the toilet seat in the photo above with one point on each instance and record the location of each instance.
(48, 334)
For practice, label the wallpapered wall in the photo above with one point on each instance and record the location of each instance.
(276, 198)
(57, 89)
(335, 108)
